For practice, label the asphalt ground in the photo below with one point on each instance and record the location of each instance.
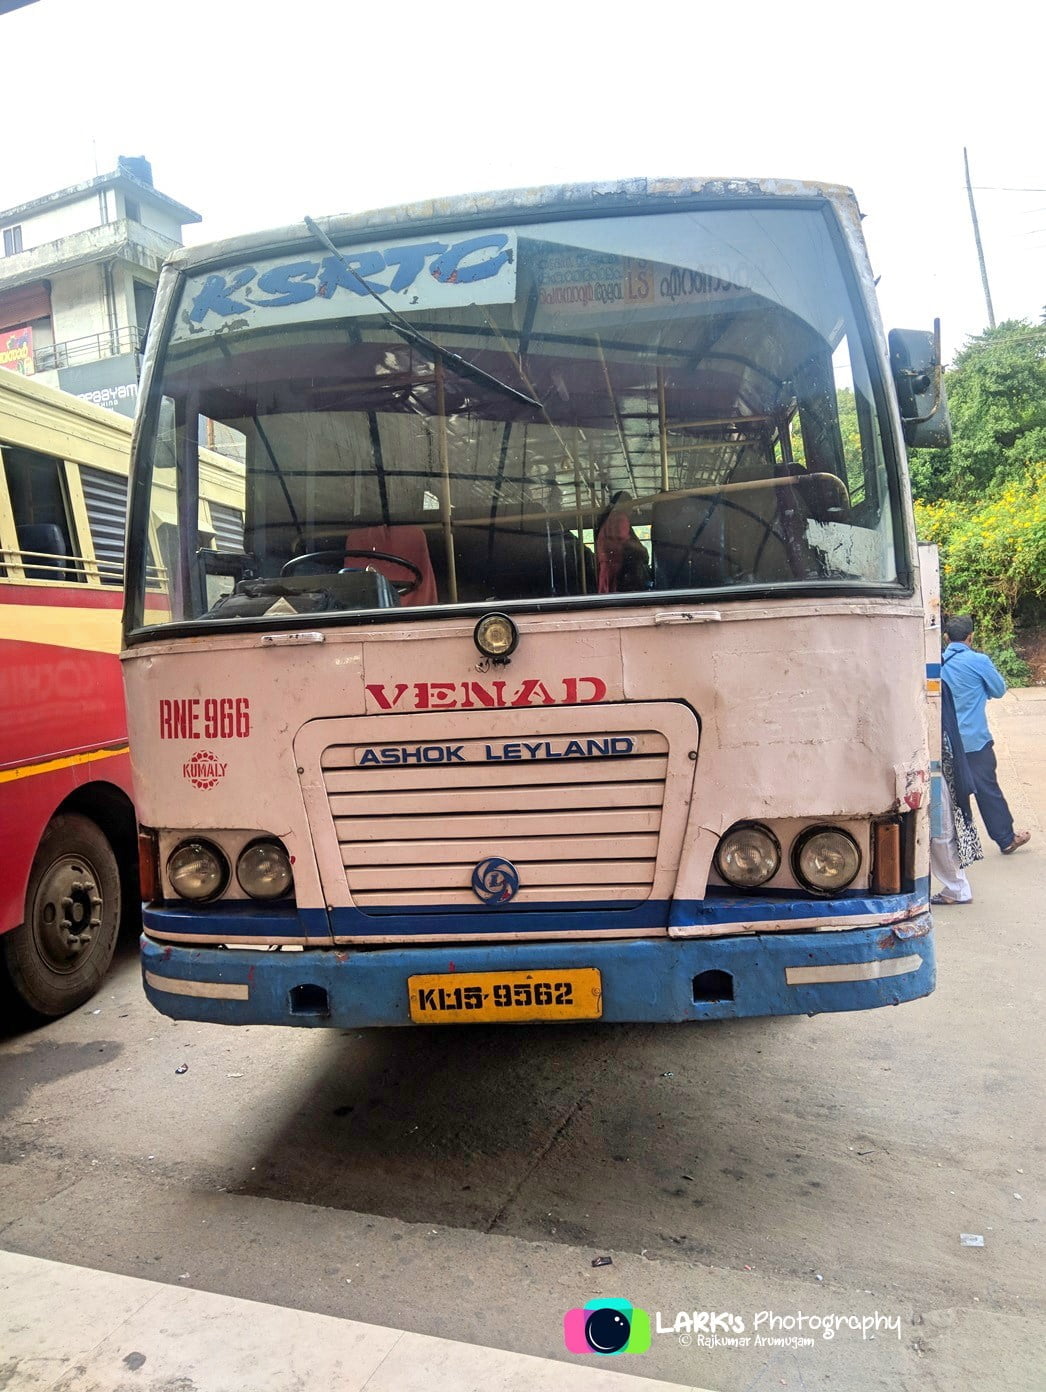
(461, 1182)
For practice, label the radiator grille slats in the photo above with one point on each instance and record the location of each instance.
(577, 829)
(633, 769)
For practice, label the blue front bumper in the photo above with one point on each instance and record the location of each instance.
(644, 979)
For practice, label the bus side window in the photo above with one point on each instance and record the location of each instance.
(35, 485)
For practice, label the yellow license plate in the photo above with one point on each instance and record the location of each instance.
(465, 998)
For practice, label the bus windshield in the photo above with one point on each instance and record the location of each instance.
(671, 402)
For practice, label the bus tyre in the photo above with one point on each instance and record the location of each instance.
(58, 957)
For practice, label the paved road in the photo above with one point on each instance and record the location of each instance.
(461, 1182)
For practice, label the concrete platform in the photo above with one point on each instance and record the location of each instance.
(70, 1329)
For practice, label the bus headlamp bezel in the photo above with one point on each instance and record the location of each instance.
(497, 649)
(803, 875)
(197, 847)
(275, 848)
(771, 864)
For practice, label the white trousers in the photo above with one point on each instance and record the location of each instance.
(944, 855)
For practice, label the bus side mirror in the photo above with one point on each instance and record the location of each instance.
(915, 361)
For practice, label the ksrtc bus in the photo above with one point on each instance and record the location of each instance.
(68, 845)
(572, 664)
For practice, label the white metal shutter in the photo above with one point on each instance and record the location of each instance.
(228, 527)
(106, 497)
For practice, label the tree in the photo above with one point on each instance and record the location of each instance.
(997, 397)
(993, 561)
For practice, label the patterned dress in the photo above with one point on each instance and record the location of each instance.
(965, 830)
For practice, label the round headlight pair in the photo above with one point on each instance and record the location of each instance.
(824, 859)
(198, 870)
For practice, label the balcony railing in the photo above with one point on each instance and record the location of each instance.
(91, 348)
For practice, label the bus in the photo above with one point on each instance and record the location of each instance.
(68, 839)
(68, 867)
(574, 662)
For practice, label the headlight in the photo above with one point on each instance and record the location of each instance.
(197, 870)
(264, 870)
(825, 859)
(496, 635)
(748, 856)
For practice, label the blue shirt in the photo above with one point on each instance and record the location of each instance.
(973, 682)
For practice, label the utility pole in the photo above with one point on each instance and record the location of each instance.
(977, 239)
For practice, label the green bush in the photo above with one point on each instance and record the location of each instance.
(993, 561)
(997, 400)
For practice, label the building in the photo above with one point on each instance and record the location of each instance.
(77, 278)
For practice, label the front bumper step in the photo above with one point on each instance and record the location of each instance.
(643, 979)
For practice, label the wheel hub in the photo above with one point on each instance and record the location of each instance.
(68, 913)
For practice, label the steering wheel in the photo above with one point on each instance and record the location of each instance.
(403, 587)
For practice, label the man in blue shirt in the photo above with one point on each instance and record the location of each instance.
(973, 681)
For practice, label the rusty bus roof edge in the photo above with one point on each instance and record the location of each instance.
(551, 199)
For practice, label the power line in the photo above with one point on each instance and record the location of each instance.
(1020, 337)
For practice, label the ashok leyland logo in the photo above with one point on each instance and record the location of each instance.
(495, 881)
(204, 769)
(607, 1326)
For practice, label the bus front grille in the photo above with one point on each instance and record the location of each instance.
(577, 815)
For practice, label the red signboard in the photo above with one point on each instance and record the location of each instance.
(16, 349)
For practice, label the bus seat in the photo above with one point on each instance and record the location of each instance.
(689, 549)
(756, 530)
(48, 538)
(526, 558)
(766, 528)
(730, 538)
(825, 497)
(403, 540)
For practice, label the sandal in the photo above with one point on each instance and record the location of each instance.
(944, 899)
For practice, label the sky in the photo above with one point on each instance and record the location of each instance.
(257, 113)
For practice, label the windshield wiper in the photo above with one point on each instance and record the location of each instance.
(395, 321)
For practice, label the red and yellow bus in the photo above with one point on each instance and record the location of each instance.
(68, 866)
(68, 848)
